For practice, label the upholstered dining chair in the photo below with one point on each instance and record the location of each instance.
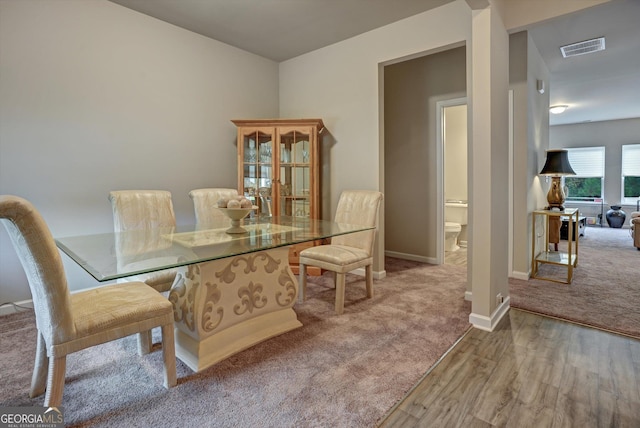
(346, 252)
(204, 203)
(68, 323)
(145, 209)
(635, 228)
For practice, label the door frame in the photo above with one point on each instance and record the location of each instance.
(440, 140)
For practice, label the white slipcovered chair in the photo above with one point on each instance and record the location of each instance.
(346, 252)
(204, 203)
(144, 209)
(68, 323)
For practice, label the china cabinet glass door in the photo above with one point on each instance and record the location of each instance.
(258, 172)
(294, 174)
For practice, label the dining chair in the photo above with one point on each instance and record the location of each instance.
(144, 209)
(68, 323)
(204, 205)
(346, 252)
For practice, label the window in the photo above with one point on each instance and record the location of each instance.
(588, 163)
(630, 173)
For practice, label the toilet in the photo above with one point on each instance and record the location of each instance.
(451, 233)
(455, 217)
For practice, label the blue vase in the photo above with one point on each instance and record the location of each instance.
(616, 217)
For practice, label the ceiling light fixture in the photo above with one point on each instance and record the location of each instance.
(581, 48)
(558, 109)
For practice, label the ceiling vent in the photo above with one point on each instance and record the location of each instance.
(581, 48)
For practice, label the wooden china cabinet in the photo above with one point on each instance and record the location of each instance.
(279, 169)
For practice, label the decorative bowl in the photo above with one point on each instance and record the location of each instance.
(237, 214)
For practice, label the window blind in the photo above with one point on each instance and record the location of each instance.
(587, 161)
(631, 160)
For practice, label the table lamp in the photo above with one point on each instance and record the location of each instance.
(557, 165)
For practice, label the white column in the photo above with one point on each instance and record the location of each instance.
(489, 168)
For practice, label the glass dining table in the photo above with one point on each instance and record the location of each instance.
(231, 290)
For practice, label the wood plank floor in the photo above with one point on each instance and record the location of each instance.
(532, 371)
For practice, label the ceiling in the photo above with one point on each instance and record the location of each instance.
(280, 29)
(599, 86)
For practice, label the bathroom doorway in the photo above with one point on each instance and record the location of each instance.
(453, 183)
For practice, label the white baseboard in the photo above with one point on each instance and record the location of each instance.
(520, 275)
(412, 257)
(489, 323)
(10, 309)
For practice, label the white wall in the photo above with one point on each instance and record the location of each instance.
(530, 141)
(96, 97)
(342, 84)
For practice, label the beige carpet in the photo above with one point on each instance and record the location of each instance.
(336, 371)
(605, 292)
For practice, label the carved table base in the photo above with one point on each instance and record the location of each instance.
(224, 306)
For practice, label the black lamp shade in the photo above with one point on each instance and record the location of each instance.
(557, 164)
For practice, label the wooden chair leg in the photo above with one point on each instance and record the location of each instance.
(369, 280)
(55, 381)
(144, 342)
(302, 283)
(340, 293)
(169, 356)
(40, 368)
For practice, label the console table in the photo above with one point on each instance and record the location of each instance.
(568, 259)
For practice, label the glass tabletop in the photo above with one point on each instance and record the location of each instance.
(109, 256)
